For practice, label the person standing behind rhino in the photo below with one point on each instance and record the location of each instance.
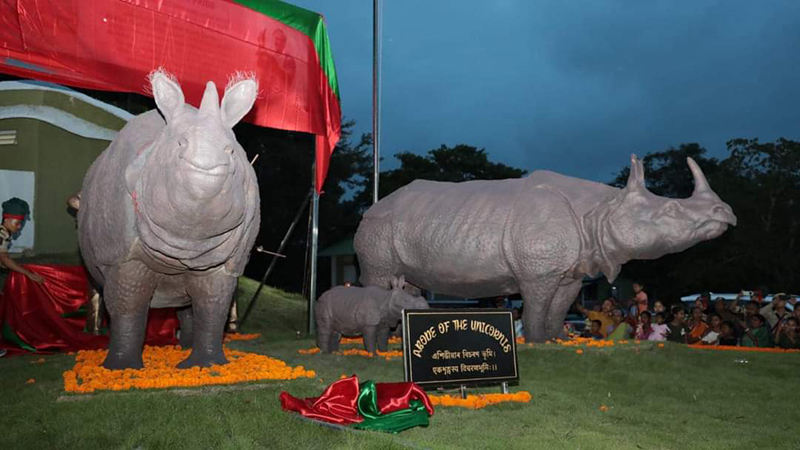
(678, 331)
(640, 297)
(604, 316)
(15, 211)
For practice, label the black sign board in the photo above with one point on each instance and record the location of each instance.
(445, 347)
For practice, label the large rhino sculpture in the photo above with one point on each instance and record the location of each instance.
(168, 216)
(538, 236)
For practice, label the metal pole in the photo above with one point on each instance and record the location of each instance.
(376, 62)
(275, 257)
(312, 292)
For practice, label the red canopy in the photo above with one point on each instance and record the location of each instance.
(113, 44)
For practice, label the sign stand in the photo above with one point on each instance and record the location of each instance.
(504, 387)
(463, 391)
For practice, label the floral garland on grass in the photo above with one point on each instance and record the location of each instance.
(387, 355)
(241, 337)
(575, 341)
(360, 340)
(160, 371)
(744, 349)
(479, 401)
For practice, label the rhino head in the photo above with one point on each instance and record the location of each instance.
(400, 299)
(192, 189)
(641, 225)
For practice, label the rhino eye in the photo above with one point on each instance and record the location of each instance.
(183, 142)
(229, 150)
(671, 208)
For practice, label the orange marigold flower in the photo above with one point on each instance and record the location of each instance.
(661, 345)
(241, 337)
(310, 351)
(30, 381)
(161, 371)
(579, 351)
(479, 401)
(603, 408)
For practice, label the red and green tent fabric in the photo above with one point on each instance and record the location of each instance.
(113, 44)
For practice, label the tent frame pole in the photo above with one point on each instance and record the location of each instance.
(274, 261)
(312, 291)
(376, 63)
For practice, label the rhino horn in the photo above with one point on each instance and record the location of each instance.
(700, 183)
(210, 103)
(636, 177)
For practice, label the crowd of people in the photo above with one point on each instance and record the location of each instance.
(752, 324)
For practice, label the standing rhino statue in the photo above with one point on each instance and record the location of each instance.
(537, 236)
(370, 311)
(168, 215)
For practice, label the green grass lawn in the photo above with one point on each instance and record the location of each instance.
(657, 398)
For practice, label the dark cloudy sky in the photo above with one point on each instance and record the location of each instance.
(571, 86)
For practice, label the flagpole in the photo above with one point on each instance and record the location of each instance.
(312, 290)
(376, 62)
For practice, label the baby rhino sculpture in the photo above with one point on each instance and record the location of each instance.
(538, 236)
(168, 215)
(370, 312)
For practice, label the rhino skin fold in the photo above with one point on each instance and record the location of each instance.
(537, 236)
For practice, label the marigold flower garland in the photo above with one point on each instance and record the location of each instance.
(575, 341)
(241, 337)
(160, 371)
(358, 340)
(479, 401)
(744, 349)
(387, 355)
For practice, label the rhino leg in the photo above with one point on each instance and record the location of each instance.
(562, 300)
(211, 300)
(324, 336)
(536, 297)
(185, 317)
(373, 243)
(333, 342)
(127, 293)
(370, 336)
(383, 339)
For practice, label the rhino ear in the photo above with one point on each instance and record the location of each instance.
(239, 98)
(401, 282)
(167, 93)
(636, 177)
(394, 282)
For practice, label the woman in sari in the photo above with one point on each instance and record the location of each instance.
(620, 329)
(697, 325)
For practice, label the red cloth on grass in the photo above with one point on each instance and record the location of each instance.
(338, 404)
(35, 312)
